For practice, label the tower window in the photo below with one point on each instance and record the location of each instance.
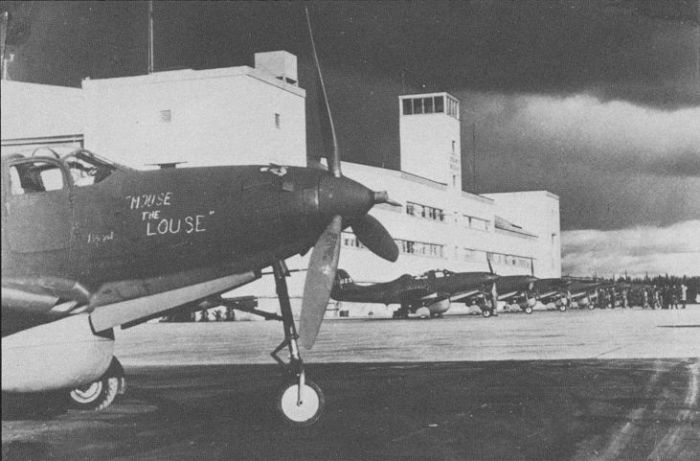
(439, 104)
(428, 105)
(418, 106)
(407, 107)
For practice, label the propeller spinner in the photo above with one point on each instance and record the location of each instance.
(346, 203)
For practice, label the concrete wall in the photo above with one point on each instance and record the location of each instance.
(30, 110)
(209, 117)
(538, 212)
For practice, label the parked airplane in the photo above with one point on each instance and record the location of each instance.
(512, 289)
(89, 245)
(427, 295)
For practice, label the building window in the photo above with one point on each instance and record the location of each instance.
(428, 105)
(425, 211)
(426, 249)
(349, 240)
(502, 259)
(418, 106)
(473, 222)
(277, 120)
(166, 116)
(454, 144)
(439, 104)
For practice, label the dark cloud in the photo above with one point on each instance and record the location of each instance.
(620, 80)
(639, 250)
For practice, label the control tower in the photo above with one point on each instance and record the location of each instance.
(429, 132)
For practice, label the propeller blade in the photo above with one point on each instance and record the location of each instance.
(334, 160)
(488, 260)
(319, 282)
(494, 296)
(374, 236)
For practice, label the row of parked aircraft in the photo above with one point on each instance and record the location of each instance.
(89, 245)
(432, 293)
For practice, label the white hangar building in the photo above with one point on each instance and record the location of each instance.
(245, 115)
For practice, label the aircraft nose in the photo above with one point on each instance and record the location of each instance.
(343, 196)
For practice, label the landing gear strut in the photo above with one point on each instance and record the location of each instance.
(300, 401)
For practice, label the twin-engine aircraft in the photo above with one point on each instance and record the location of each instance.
(89, 245)
(428, 295)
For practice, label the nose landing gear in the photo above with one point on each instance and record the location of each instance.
(300, 401)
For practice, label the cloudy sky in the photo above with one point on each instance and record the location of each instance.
(598, 102)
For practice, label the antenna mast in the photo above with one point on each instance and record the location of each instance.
(150, 36)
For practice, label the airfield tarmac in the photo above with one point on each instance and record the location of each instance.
(579, 385)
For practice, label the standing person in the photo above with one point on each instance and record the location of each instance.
(674, 296)
(645, 298)
(684, 294)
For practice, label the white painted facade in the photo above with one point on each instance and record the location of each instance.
(36, 115)
(232, 116)
(244, 115)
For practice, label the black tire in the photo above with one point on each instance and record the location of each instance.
(99, 394)
(486, 313)
(562, 308)
(95, 396)
(303, 416)
(528, 310)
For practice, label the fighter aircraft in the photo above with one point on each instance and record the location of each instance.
(428, 295)
(89, 245)
(564, 292)
(512, 290)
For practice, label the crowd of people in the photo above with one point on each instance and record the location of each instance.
(673, 295)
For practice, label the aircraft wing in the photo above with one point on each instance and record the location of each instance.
(463, 295)
(33, 301)
(49, 297)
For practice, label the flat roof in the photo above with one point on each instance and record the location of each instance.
(169, 76)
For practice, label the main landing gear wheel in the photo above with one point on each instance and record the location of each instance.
(301, 409)
(528, 310)
(562, 307)
(486, 313)
(99, 394)
(300, 402)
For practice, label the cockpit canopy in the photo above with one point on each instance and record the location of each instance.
(41, 173)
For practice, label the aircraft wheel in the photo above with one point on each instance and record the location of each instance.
(591, 306)
(424, 313)
(562, 308)
(486, 313)
(99, 394)
(311, 406)
(528, 310)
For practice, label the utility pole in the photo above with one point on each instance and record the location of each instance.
(150, 36)
(3, 36)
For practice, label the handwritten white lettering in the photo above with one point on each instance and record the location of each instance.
(173, 226)
(158, 199)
